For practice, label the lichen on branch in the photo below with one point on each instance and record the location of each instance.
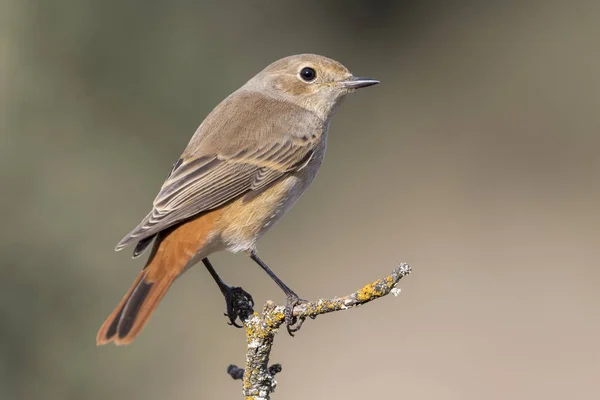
(258, 377)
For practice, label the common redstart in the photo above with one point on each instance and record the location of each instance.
(246, 165)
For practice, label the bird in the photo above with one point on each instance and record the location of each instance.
(247, 163)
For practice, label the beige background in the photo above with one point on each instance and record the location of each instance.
(476, 160)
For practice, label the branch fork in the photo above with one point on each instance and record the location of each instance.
(258, 377)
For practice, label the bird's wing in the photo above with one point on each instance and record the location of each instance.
(208, 181)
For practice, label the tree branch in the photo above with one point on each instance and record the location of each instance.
(258, 377)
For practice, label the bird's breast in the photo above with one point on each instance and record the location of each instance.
(246, 219)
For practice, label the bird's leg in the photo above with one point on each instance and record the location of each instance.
(239, 302)
(292, 322)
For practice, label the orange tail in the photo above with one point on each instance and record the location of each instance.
(171, 253)
(132, 313)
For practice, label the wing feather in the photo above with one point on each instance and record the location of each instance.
(207, 182)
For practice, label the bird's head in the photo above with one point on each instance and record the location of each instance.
(313, 82)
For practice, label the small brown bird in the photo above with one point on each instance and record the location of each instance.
(246, 165)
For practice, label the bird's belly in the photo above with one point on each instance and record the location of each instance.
(249, 217)
(245, 220)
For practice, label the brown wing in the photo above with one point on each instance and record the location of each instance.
(207, 182)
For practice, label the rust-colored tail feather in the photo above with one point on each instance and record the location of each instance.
(132, 313)
(172, 251)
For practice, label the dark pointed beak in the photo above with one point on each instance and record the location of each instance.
(354, 82)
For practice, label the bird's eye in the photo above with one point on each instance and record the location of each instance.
(308, 74)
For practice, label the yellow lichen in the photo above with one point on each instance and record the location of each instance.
(369, 292)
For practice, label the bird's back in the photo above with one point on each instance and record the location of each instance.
(249, 119)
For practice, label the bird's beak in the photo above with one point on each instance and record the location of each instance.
(354, 82)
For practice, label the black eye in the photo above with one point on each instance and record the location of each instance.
(308, 74)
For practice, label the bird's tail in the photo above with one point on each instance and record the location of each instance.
(132, 313)
(172, 252)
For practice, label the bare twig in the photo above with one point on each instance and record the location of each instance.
(261, 329)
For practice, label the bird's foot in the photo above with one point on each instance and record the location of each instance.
(293, 323)
(240, 305)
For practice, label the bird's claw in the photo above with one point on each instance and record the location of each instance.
(293, 323)
(240, 305)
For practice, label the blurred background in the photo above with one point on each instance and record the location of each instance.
(477, 161)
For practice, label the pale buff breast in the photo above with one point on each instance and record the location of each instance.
(245, 220)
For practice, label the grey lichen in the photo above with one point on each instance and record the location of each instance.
(258, 378)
